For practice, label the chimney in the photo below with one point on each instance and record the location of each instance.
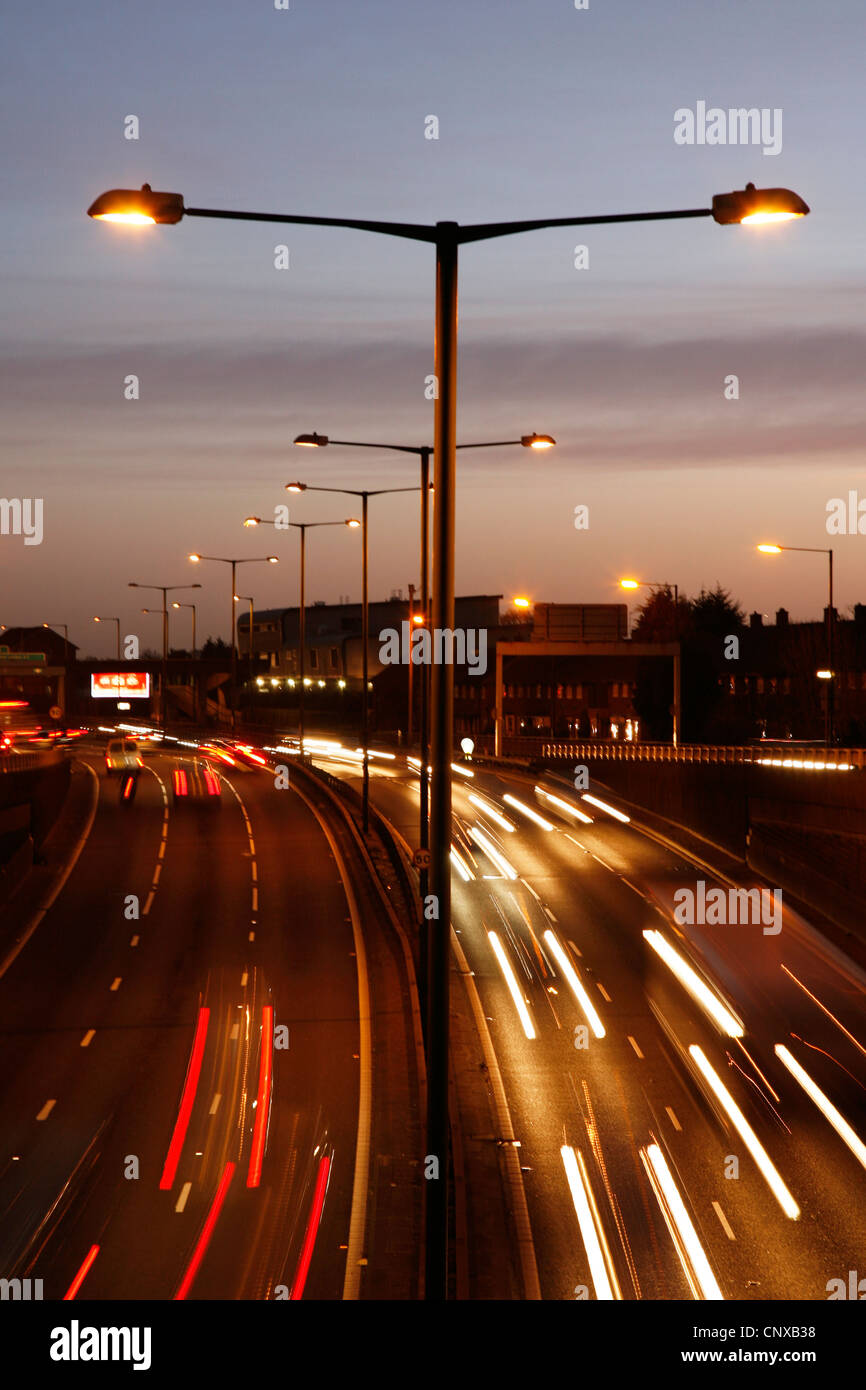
(781, 617)
(756, 620)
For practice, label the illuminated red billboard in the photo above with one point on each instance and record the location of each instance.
(120, 685)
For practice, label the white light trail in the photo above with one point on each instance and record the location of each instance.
(721, 1015)
(691, 1252)
(574, 981)
(527, 811)
(824, 1104)
(768, 1169)
(492, 812)
(603, 806)
(600, 1268)
(511, 982)
(492, 852)
(561, 805)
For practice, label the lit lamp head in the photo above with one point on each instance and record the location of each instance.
(353, 523)
(522, 602)
(758, 205)
(137, 207)
(824, 675)
(272, 559)
(311, 441)
(537, 441)
(770, 549)
(629, 584)
(194, 557)
(296, 487)
(252, 521)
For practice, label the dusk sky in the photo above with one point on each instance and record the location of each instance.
(544, 111)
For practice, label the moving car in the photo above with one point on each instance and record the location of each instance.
(195, 781)
(122, 754)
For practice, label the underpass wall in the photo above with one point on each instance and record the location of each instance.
(30, 801)
(803, 830)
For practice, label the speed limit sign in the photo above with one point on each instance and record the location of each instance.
(421, 859)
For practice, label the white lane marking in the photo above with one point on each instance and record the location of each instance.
(360, 1184)
(550, 914)
(88, 1036)
(116, 982)
(674, 1121)
(635, 1046)
(252, 936)
(156, 874)
(148, 904)
(161, 854)
(724, 1220)
(215, 1103)
(255, 899)
(134, 941)
(233, 1035)
(603, 992)
(243, 980)
(46, 1110)
(184, 1193)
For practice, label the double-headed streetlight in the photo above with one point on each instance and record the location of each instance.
(677, 705)
(145, 206)
(423, 453)
(165, 590)
(192, 606)
(302, 526)
(365, 494)
(829, 675)
(244, 560)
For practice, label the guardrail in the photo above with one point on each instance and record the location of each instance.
(791, 755)
(30, 762)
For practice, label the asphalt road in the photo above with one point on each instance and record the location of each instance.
(597, 887)
(176, 930)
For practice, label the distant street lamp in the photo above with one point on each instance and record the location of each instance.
(146, 206)
(657, 584)
(768, 548)
(192, 606)
(303, 527)
(423, 453)
(112, 620)
(165, 590)
(365, 494)
(247, 598)
(244, 560)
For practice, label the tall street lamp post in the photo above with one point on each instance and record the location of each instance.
(365, 494)
(243, 560)
(303, 527)
(192, 606)
(830, 676)
(111, 620)
(423, 453)
(677, 705)
(146, 206)
(165, 590)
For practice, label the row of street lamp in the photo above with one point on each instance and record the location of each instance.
(143, 207)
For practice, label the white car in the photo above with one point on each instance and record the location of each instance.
(122, 755)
